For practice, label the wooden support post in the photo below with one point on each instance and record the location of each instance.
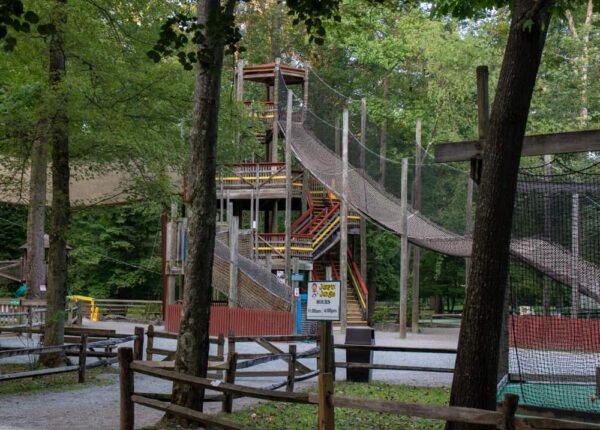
(251, 217)
(222, 198)
(230, 379)
(171, 254)
(79, 311)
(230, 343)
(509, 407)
(291, 369)
(274, 142)
(363, 219)
(326, 409)
(233, 256)
(575, 304)
(336, 137)
(29, 321)
(126, 421)
(82, 358)
(294, 299)
(305, 106)
(344, 225)
(305, 189)
(255, 227)
(403, 250)
(288, 186)
(239, 90)
(326, 356)
(220, 352)
(150, 345)
(598, 381)
(547, 233)
(138, 343)
(416, 250)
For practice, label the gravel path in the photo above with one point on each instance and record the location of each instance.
(97, 407)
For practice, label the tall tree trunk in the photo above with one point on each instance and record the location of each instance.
(276, 30)
(193, 340)
(36, 265)
(474, 383)
(582, 62)
(59, 223)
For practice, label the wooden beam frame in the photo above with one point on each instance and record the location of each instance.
(539, 144)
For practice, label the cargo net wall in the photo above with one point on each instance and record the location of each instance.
(554, 320)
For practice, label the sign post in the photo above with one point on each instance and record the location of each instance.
(323, 304)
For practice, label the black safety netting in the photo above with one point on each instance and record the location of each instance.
(554, 294)
(554, 289)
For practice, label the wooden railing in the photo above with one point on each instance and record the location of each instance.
(252, 176)
(87, 343)
(325, 400)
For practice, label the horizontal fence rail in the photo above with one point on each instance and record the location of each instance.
(83, 349)
(503, 418)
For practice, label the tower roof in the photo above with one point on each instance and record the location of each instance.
(265, 73)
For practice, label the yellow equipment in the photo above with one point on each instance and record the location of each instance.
(94, 310)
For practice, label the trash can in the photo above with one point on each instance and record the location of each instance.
(359, 336)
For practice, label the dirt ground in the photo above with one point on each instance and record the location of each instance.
(97, 407)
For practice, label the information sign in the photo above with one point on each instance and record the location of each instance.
(323, 301)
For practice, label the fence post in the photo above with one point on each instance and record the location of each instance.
(230, 343)
(29, 321)
(126, 421)
(230, 379)
(150, 345)
(82, 358)
(509, 407)
(291, 369)
(79, 312)
(326, 410)
(220, 352)
(138, 344)
(598, 381)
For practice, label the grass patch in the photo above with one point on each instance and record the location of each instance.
(50, 383)
(274, 415)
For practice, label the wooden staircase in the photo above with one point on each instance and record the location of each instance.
(353, 309)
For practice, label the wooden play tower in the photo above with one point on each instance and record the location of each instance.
(294, 224)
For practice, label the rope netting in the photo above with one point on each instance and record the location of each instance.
(554, 325)
(317, 143)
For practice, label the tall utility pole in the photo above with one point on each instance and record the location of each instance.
(344, 224)
(416, 249)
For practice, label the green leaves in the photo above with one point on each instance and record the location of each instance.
(180, 30)
(13, 16)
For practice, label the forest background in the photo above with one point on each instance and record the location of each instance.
(128, 112)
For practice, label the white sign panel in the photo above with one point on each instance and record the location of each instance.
(323, 301)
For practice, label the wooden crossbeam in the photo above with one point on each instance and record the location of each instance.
(273, 349)
(539, 144)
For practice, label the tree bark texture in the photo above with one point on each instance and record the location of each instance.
(59, 142)
(193, 339)
(474, 383)
(36, 265)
